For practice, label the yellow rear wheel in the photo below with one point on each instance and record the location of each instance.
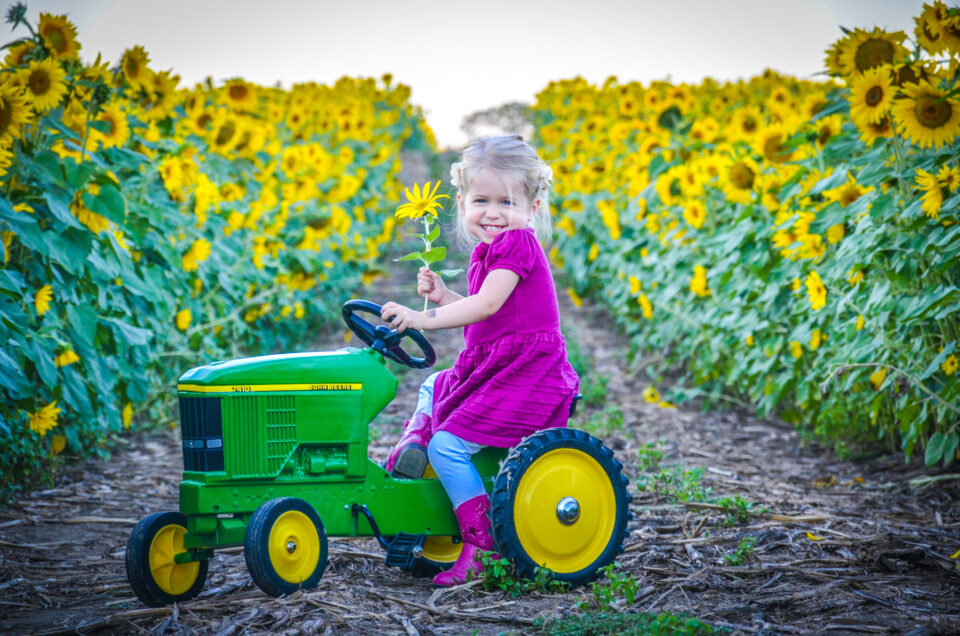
(152, 569)
(560, 501)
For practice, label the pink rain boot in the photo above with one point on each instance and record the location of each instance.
(408, 459)
(474, 521)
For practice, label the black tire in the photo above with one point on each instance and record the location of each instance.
(291, 527)
(547, 469)
(163, 581)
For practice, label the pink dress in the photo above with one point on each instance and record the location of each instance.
(512, 378)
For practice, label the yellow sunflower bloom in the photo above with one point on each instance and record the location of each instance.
(877, 378)
(949, 366)
(66, 358)
(162, 96)
(59, 35)
(817, 291)
(43, 84)
(847, 193)
(44, 419)
(650, 394)
(869, 133)
(695, 213)
(769, 144)
(198, 252)
(17, 54)
(645, 306)
(871, 95)
(796, 349)
(183, 319)
(932, 194)
(42, 299)
(739, 180)
(611, 219)
(865, 50)
(118, 129)
(94, 222)
(854, 276)
(418, 204)
(835, 233)
(6, 160)
(127, 415)
(6, 238)
(14, 114)
(925, 116)
(930, 27)
(949, 30)
(239, 95)
(574, 297)
(699, 284)
(134, 66)
(57, 444)
(816, 337)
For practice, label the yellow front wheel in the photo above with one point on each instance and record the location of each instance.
(560, 501)
(285, 546)
(154, 574)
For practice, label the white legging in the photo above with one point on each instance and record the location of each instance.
(450, 455)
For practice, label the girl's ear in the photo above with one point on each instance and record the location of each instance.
(460, 202)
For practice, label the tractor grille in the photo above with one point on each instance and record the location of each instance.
(267, 424)
(201, 427)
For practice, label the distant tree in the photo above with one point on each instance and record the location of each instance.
(512, 118)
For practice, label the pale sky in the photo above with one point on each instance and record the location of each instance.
(462, 57)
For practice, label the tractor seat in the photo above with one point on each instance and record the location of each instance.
(573, 404)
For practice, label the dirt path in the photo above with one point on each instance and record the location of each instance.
(842, 547)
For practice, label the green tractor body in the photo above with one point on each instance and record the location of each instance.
(296, 425)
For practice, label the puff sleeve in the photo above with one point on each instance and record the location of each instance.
(516, 250)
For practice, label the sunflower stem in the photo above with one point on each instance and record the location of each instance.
(427, 245)
(86, 132)
(898, 154)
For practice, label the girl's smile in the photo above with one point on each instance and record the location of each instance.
(494, 204)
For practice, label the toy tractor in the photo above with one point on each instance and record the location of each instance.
(275, 459)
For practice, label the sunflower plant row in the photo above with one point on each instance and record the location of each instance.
(148, 228)
(792, 246)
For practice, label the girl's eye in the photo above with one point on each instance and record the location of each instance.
(479, 200)
(508, 202)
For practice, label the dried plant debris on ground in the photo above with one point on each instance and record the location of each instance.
(736, 523)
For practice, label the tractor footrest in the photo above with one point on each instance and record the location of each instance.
(404, 549)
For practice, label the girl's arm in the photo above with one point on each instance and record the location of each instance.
(496, 288)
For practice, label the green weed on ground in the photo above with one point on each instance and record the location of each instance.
(498, 573)
(605, 423)
(742, 554)
(614, 586)
(601, 623)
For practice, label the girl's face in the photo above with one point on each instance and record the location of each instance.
(493, 204)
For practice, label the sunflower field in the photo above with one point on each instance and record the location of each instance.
(791, 246)
(147, 227)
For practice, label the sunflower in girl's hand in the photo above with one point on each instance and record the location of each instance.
(425, 204)
(419, 204)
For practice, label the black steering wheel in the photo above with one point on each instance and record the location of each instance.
(384, 339)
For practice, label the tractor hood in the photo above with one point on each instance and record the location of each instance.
(290, 372)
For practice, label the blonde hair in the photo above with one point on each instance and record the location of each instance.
(507, 156)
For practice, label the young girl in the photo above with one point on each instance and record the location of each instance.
(512, 378)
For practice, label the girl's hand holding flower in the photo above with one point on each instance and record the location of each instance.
(430, 286)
